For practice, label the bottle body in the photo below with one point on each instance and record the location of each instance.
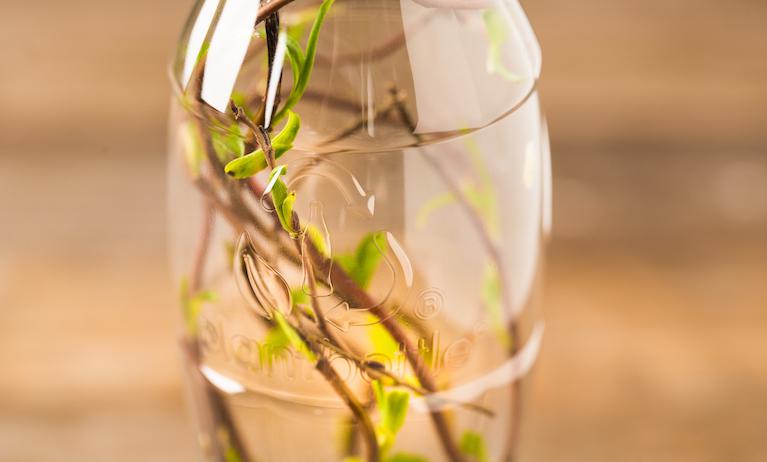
(369, 293)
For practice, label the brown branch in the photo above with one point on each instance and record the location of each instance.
(495, 255)
(234, 213)
(358, 125)
(349, 290)
(272, 27)
(319, 315)
(377, 370)
(219, 418)
(270, 8)
(324, 367)
(379, 50)
(374, 369)
(201, 253)
(239, 116)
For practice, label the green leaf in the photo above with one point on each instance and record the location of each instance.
(298, 296)
(383, 342)
(292, 336)
(274, 177)
(484, 202)
(392, 406)
(473, 445)
(203, 51)
(288, 133)
(275, 344)
(286, 213)
(192, 146)
(296, 58)
(231, 455)
(496, 31)
(431, 206)
(397, 410)
(301, 301)
(318, 239)
(301, 80)
(282, 199)
(362, 265)
(405, 457)
(192, 305)
(478, 161)
(482, 197)
(491, 297)
(252, 163)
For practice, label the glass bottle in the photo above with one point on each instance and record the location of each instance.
(359, 197)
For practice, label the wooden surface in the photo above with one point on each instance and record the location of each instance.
(656, 312)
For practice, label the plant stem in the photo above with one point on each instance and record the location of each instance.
(268, 9)
(198, 264)
(377, 371)
(349, 290)
(321, 321)
(381, 49)
(219, 417)
(368, 431)
(345, 286)
(495, 255)
(359, 124)
(324, 367)
(272, 26)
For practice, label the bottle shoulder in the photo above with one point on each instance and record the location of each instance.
(383, 74)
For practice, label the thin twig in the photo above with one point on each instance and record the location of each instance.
(220, 420)
(371, 440)
(198, 264)
(324, 367)
(495, 255)
(272, 27)
(268, 9)
(381, 50)
(364, 120)
(349, 290)
(377, 370)
(318, 313)
(218, 414)
(239, 116)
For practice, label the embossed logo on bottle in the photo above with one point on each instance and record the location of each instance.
(359, 309)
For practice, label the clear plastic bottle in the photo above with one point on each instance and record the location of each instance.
(359, 197)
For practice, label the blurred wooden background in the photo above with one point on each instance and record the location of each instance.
(657, 319)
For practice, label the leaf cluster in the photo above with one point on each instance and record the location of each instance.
(362, 264)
